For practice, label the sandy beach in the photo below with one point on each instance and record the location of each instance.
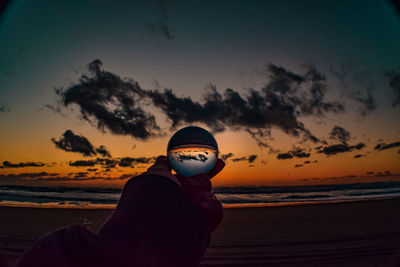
(363, 233)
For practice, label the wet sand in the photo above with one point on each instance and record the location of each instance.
(363, 233)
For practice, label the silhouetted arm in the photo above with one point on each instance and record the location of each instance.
(154, 224)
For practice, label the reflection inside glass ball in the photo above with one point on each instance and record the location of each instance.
(189, 160)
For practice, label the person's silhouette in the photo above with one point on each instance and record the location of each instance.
(160, 220)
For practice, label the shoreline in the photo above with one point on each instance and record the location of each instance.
(15, 204)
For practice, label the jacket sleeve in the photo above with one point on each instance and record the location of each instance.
(154, 224)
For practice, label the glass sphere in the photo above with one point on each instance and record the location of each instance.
(192, 150)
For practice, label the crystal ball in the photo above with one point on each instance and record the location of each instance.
(192, 150)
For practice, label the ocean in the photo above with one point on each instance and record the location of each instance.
(242, 196)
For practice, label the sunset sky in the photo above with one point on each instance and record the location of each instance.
(295, 92)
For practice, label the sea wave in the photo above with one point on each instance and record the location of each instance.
(86, 196)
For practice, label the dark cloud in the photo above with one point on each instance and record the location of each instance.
(384, 146)
(37, 174)
(82, 163)
(358, 86)
(111, 163)
(297, 152)
(81, 175)
(239, 159)
(340, 134)
(74, 143)
(117, 105)
(111, 103)
(55, 109)
(252, 158)
(367, 101)
(340, 148)
(71, 142)
(394, 83)
(249, 159)
(343, 136)
(4, 108)
(92, 169)
(129, 162)
(307, 162)
(107, 163)
(226, 156)
(359, 156)
(384, 174)
(298, 165)
(161, 29)
(102, 150)
(286, 97)
(7, 164)
(285, 155)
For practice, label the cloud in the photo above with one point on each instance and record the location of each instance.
(128, 161)
(252, 158)
(358, 86)
(226, 156)
(55, 109)
(384, 146)
(239, 159)
(81, 175)
(161, 29)
(384, 174)
(117, 105)
(297, 152)
(249, 159)
(340, 134)
(37, 174)
(279, 104)
(394, 83)
(343, 136)
(368, 102)
(359, 156)
(111, 163)
(340, 148)
(71, 142)
(82, 163)
(4, 108)
(111, 103)
(102, 150)
(7, 164)
(307, 162)
(298, 165)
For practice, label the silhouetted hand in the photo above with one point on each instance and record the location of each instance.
(198, 188)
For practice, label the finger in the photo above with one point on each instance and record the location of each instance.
(217, 168)
(161, 167)
(203, 196)
(199, 182)
(161, 163)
